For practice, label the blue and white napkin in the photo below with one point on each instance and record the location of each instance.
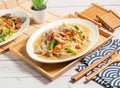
(110, 77)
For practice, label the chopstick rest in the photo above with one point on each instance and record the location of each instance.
(115, 58)
(85, 71)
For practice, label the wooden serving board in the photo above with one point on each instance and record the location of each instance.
(18, 46)
(52, 71)
(109, 23)
(91, 13)
(101, 16)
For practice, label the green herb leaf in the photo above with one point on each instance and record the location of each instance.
(37, 4)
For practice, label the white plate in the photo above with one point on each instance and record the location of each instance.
(30, 49)
(17, 13)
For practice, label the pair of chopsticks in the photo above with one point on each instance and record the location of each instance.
(89, 68)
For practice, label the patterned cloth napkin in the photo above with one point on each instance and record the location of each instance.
(110, 77)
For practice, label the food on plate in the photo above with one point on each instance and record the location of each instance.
(63, 41)
(9, 25)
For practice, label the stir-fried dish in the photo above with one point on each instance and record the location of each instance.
(63, 41)
(9, 25)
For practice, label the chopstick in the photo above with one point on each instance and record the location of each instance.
(88, 78)
(83, 72)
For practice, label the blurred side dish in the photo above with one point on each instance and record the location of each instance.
(9, 25)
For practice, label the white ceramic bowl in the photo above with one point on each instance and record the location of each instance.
(17, 13)
(30, 49)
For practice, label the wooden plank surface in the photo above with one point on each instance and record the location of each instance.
(2, 5)
(10, 4)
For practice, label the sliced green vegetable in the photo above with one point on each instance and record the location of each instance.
(7, 29)
(52, 44)
(79, 30)
(71, 50)
(72, 31)
(6, 37)
(11, 33)
(1, 39)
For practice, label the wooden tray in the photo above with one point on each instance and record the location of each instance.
(91, 13)
(52, 71)
(110, 20)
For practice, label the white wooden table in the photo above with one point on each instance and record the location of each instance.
(14, 73)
